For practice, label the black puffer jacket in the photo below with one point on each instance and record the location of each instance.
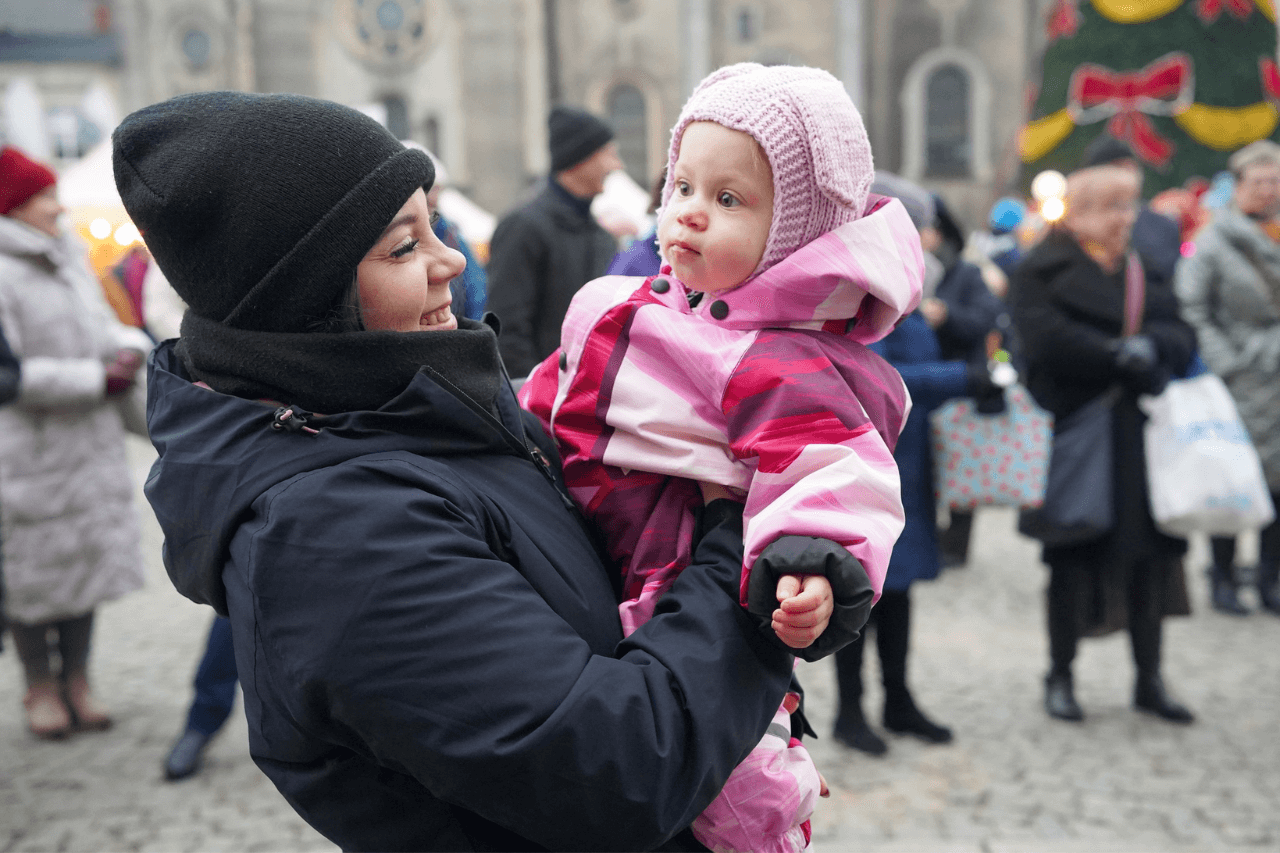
(428, 643)
(539, 257)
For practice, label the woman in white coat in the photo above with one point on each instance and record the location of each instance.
(68, 527)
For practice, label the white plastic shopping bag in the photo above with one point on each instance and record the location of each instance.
(1203, 472)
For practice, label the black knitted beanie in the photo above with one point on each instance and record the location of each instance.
(575, 136)
(258, 208)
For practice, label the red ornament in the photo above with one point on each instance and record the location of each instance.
(1209, 10)
(1126, 98)
(1270, 78)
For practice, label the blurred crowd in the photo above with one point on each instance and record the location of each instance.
(1113, 299)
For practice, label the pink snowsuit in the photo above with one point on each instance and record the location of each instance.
(767, 389)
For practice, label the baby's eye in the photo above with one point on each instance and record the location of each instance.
(435, 217)
(404, 248)
(682, 187)
(728, 199)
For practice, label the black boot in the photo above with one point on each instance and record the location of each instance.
(901, 716)
(851, 727)
(1060, 697)
(1268, 587)
(1222, 582)
(1150, 697)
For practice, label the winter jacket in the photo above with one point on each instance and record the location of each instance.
(428, 642)
(68, 525)
(912, 348)
(1069, 315)
(539, 256)
(641, 258)
(972, 311)
(1236, 314)
(768, 389)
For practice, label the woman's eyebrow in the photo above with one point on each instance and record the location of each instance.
(406, 219)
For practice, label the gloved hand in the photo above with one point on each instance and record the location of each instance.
(1138, 363)
(121, 371)
(988, 396)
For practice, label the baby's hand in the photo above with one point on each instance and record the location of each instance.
(805, 604)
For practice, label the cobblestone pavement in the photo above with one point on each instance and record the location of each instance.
(1013, 780)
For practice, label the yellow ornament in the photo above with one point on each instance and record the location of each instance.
(1041, 136)
(1228, 128)
(1267, 7)
(1138, 11)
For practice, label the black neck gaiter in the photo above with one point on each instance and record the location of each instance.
(329, 373)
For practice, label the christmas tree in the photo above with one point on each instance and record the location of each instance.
(1183, 82)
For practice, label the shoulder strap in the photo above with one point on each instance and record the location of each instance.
(1135, 294)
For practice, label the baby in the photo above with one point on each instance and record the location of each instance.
(743, 365)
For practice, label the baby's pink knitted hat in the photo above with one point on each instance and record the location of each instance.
(811, 134)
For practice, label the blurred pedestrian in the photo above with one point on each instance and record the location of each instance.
(641, 257)
(1069, 298)
(543, 251)
(1230, 292)
(963, 312)
(71, 535)
(10, 379)
(1157, 238)
(913, 349)
(215, 693)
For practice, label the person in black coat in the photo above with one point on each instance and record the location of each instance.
(1068, 299)
(427, 638)
(542, 252)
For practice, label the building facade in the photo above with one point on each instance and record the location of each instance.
(941, 83)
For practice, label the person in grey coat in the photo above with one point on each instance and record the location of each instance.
(1230, 293)
(71, 535)
(543, 252)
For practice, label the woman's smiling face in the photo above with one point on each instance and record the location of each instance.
(403, 281)
(716, 224)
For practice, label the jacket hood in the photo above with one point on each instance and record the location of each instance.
(219, 453)
(868, 272)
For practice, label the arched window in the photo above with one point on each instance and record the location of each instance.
(627, 115)
(948, 148)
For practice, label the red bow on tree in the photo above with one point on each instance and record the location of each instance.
(1063, 21)
(1270, 78)
(1126, 98)
(1209, 10)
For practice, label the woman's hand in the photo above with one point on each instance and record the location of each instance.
(805, 605)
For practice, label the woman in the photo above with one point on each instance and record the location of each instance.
(429, 645)
(71, 535)
(1230, 292)
(1069, 308)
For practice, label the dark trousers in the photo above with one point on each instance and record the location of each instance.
(215, 681)
(892, 620)
(63, 640)
(1143, 602)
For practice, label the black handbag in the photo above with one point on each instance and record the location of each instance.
(1079, 497)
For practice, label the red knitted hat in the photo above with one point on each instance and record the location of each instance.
(21, 178)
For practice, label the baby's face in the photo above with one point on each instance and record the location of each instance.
(716, 224)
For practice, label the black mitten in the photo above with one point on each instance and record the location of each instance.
(1138, 363)
(988, 397)
(810, 555)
